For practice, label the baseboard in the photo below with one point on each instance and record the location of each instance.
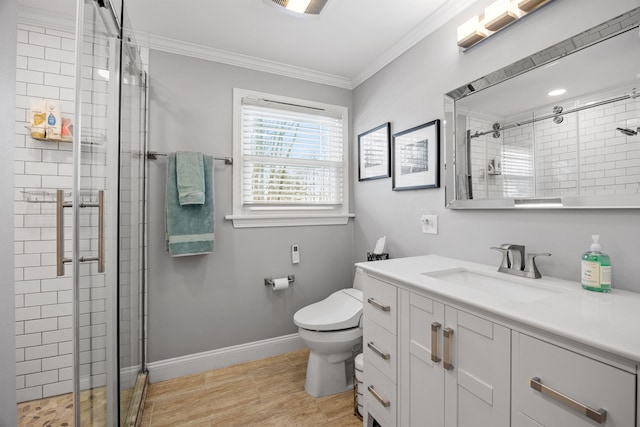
(220, 358)
(128, 377)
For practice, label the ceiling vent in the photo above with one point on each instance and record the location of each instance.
(307, 7)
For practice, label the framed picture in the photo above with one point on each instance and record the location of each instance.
(416, 157)
(374, 152)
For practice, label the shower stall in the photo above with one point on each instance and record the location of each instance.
(80, 216)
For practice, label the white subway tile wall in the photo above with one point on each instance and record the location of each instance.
(45, 69)
(582, 155)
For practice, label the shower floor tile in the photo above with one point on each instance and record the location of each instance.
(58, 410)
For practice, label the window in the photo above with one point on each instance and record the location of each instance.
(290, 162)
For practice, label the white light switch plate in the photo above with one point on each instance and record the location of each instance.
(429, 224)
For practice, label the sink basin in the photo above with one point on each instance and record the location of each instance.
(499, 286)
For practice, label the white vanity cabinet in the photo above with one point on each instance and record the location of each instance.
(436, 360)
(455, 366)
(380, 350)
(553, 386)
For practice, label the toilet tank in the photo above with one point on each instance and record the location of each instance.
(358, 279)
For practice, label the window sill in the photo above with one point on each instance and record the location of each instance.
(255, 221)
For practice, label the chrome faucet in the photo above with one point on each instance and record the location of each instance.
(513, 261)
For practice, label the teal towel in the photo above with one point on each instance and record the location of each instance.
(189, 228)
(190, 177)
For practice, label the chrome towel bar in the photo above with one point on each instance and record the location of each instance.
(153, 155)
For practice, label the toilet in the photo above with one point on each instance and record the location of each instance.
(330, 328)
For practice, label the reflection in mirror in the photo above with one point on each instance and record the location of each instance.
(561, 133)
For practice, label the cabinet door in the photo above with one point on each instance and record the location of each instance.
(422, 378)
(477, 386)
(557, 372)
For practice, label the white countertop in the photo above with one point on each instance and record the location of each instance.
(605, 321)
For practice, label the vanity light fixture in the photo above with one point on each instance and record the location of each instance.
(498, 15)
(303, 7)
(470, 33)
(529, 5)
(557, 92)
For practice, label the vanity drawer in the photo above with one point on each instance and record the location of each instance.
(380, 303)
(380, 396)
(380, 349)
(545, 374)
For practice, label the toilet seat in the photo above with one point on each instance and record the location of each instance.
(340, 310)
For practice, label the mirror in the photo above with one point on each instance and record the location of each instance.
(558, 129)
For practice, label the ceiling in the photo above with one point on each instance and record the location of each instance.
(348, 42)
(343, 46)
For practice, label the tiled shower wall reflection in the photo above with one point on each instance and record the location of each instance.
(583, 155)
(46, 69)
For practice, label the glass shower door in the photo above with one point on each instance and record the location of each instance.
(131, 271)
(95, 216)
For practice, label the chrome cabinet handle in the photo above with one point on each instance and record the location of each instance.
(60, 259)
(384, 402)
(376, 350)
(435, 327)
(598, 415)
(379, 306)
(446, 364)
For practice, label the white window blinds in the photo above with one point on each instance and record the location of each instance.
(517, 171)
(291, 155)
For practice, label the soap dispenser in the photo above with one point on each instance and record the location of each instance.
(596, 268)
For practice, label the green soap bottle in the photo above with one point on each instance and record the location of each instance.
(596, 268)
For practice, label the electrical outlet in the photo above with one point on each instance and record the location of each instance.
(429, 224)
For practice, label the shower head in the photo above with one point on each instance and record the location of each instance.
(629, 132)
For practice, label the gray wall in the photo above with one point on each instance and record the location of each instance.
(8, 43)
(409, 91)
(214, 301)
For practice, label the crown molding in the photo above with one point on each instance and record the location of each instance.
(195, 50)
(153, 41)
(47, 20)
(437, 19)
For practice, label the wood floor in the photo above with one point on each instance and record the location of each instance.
(267, 392)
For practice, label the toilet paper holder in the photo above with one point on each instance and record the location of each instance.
(269, 281)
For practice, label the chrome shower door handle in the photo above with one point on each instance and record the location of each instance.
(448, 334)
(101, 231)
(60, 233)
(60, 259)
(435, 327)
